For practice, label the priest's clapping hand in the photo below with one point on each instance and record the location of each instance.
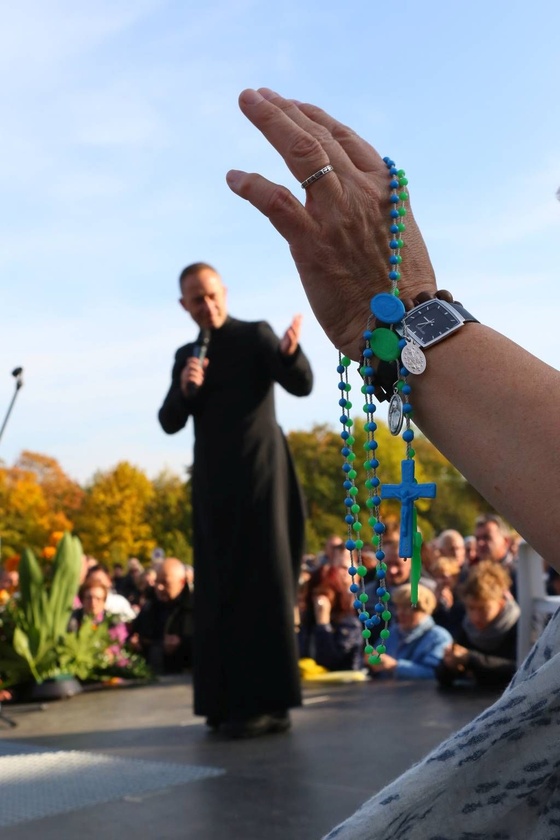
(290, 339)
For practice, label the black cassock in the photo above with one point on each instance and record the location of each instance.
(248, 521)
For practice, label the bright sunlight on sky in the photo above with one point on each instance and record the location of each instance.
(119, 120)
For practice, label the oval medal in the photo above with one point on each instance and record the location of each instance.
(395, 414)
(413, 358)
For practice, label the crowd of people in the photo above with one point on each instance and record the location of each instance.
(463, 629)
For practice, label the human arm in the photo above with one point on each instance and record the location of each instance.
(339, 243)
(291, 370)
(176, 407)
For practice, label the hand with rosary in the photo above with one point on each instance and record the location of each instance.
(483, 400)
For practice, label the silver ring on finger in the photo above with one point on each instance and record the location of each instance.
(316, 175)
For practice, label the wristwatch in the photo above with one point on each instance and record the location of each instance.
(432, 321)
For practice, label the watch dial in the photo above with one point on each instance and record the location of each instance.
(430, 322)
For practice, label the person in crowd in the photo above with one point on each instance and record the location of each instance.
(450, 610)
(450, 543)
(416, 644)
(118, 578)
(163, 629)
(471, 553)
(93, 598)
(115, 604)
(496, 776)
(332, 543)
(493, 540)
(484, 649)
(129, 583)
(248, 532)
(336, 634)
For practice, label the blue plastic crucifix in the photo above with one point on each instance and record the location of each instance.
(407, 492)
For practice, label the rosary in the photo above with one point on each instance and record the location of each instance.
(398, 355)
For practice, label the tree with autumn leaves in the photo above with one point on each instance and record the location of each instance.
(121, 513)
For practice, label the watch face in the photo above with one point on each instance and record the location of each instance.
(432, 321)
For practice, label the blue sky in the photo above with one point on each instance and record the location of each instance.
(119, 120)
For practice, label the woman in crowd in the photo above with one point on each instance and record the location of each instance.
(335, 632)
(93, 598)
(416, 644)
(484, 648)
(497, 776)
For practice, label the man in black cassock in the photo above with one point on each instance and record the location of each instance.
(247, 510)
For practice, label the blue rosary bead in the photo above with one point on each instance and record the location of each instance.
(352, 570)
(403, 372)
(345, 434)
(394, 213)
(363, 616)
(349, 501)
(367, 334)
(346, 467)
(347, 484)
(376, 620)
(406, 389)
(379, 528)
(342, 386)
(370, 623)
(380, 574)
(379, 608)
(374, 463)
(394, 275)
(376, 500)
(375, 482)
(407, 408)
(380, 591)
(394, 228)
(402, 343)
(368, 370)
(370, 389)
(408, 435)
(368, 353)
(354, 588)
(393, 244)
(340, 369)
(357, 605)
(345, 451)
(380, 555)
(343, 418)
(349, 519)
(394, 260)
(350, 545)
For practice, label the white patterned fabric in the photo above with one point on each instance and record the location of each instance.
(495, 779)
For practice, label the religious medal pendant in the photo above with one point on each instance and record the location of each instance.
(395, 415)
(413, 358)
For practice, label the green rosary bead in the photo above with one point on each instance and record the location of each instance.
(353, 491)
(368, 649)
(355, 508)
(376, 540)
(403, 196)
(363, 598)
(366, 634)
(345, 361)
(370, 503)
(386, 615)
(412, 452)
(359, 544)
(401, 226)
(403, 182)
(385, 634)
(351, 457)
(352, 474)
(383, 566)
(351, 441)
(381, 649)
(402, 211)
(373, 521)
(361, 571)
(357, 526)
(374, 660)
(386, 597)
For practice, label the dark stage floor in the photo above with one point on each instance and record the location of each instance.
(134, 762)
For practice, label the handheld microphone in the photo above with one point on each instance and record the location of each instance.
(199, 352)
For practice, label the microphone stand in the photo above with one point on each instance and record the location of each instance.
(17, 373)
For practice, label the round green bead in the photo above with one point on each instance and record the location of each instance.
(403, 196)
(367, 483)
(401, 226)
(363, 598)
(383, 567)
(361, 571)
(359, 544)
(374, 660)
(351, 456)
(400, 173)
(352, 474)
(381, 649)
(400, 384)
(376, 540)
(386, 615)
(386, 597)
(385, 633)
(355, 508)
(385, 344)
(351, 441)
(366, 634)
(370, 503)
(399, 259)
(402, 211)
(372, 521)
(397, 292)
(412, 452)
(368, 649)
(366, 465)
(349, 422)
(400, 243)
(346, 361)
(363, 389)
(403, 182)
(353, 491)
(357, 526)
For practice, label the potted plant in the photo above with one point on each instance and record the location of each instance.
(37, 623)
